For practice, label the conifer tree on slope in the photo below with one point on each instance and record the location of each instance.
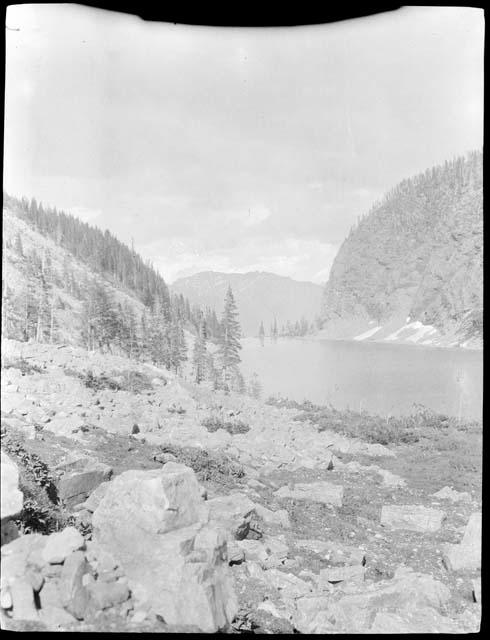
(199, 353)
(261, 333)
(229, 341)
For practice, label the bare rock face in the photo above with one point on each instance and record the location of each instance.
(412, 518)
(12, 498)
(155, 524)
(323, 492)
(467, 554)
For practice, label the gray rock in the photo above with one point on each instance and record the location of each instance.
(324, 492)
(11, 497)
(355, 612)
(154, 524)
(61, 544)
(74, 487)
(412, 518)
(448, 493)
(93, 501)
(74, 595)
(279, 517)
(107, 594)
(56, 618)
(467, 554)
(22, 594)
(232, 514)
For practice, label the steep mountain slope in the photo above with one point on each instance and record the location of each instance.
(260, 296)
(68, 276)
(416, 259)
(63, 281)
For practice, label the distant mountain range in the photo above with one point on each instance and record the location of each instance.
(412, 269)
(260, 296)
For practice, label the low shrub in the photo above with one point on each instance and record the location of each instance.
(208, 465)
(213, 423)
(127, 380)
(25, 367)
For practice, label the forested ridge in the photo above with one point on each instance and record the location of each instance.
(418, 252)
(120, 302)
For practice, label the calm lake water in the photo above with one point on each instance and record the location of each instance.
(380, 378)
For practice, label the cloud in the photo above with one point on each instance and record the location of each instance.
(234, 149)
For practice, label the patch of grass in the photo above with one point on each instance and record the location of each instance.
(213, 423)
(373, 428)
(208, 465)
(127, 380)
(25, 367)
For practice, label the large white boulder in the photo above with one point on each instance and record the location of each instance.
(155, 524)
(12, 498)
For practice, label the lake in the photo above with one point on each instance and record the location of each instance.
(380, 378)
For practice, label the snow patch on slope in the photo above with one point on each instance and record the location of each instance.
(367, 334)
(412, 332)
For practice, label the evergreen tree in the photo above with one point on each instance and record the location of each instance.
(158, 336)
(199, 354)
(274, 330)
(18, 245)
(255, 387)
(177, 344)
(261, 333)
(229, 340)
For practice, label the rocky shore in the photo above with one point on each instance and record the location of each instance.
(133, 501)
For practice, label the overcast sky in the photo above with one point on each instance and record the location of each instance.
(233, 149)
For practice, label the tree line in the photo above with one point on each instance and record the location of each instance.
(299, 328)
(154, 330)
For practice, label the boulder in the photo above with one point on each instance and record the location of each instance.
(311, 614)
(448, 493)
(355, 612)
(9, 532)
(74, 487)
(107, 594)
(467, 554)
(61, 544)
(74, 595)
(424, 620)
(11, 497)
(56, 618)
(412, 517)
(154, 523)
(288, 585)
(324, 492)
(93, 501)
(232, 514)
(390, 479)
(279, 517)
(22, 595)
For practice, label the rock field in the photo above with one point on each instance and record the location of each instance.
(152, 522)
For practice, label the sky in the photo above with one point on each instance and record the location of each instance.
(234, 149)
